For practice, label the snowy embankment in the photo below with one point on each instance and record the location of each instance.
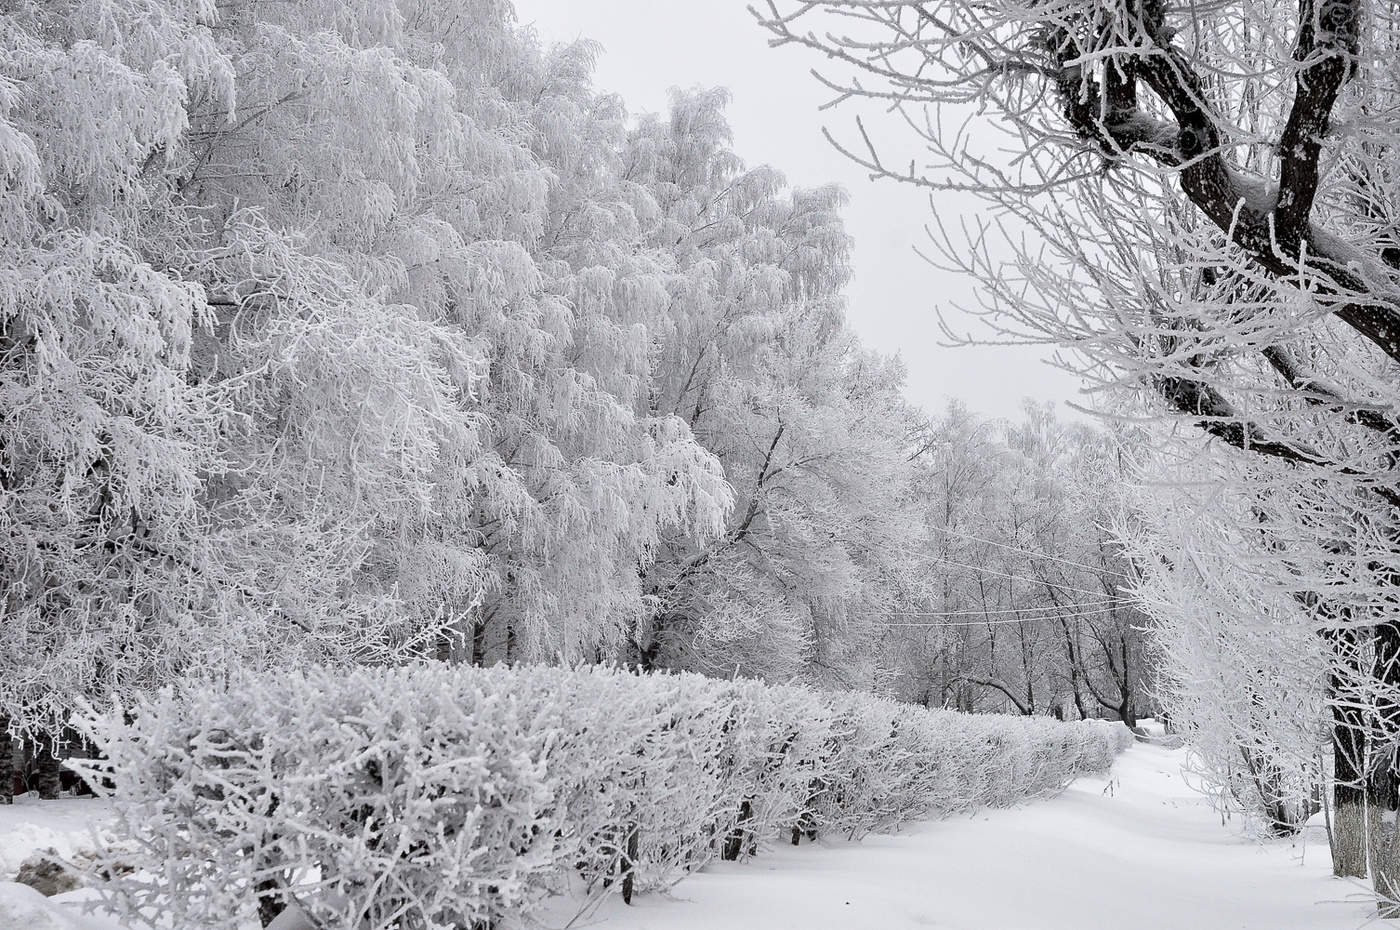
(1137, 851)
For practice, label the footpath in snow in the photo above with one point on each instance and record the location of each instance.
(1137, 851)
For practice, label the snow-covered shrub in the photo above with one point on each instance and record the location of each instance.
(436, 796)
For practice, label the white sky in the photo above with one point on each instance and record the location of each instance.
(893, 300)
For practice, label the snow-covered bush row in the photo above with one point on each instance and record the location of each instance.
(438, 796)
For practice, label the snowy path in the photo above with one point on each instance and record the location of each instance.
(1147, 854)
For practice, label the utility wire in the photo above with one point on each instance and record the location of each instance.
(1045, 609)
(925, 554)
(997, 622)
(1039, 555)
(1034, 581)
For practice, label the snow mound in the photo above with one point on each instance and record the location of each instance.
(67, 825)
(23, 908)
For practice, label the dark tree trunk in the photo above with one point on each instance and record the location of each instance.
(479, 642)
(1381, 784)
(7, 762)
(270, 903)
(1072, 654)
(1127, 712)
(734, 843)
(48, 776)
(443, 652)
(629, 863)
(1348, 770)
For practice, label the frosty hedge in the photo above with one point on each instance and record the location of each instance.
(432, 796)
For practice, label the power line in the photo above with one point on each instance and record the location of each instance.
(999, 622)
(925, 554)
(1046, 608)
(1029, 613)
(1039, 555)
(1035, 581)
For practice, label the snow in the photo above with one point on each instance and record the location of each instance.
(1136, 851)
(67, 825)
(23, 908)
(1152, 726)
(1139, 851)
(30, 825)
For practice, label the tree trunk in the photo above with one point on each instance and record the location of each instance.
(1072, 654)
(629, 863)
(1349, 834)
(7, 762)
(270, 904)
(1381, 794)
(1349, 837)
(451, 642)
(734, 843)
(48, 778)
(479, 642)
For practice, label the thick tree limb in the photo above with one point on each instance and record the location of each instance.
(1326, 50)
(1272, 225)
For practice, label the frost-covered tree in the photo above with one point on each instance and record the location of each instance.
(592, 476)
(348, 332)
(1246, 676)
(1028, 611)
(755, 358)
(1202, 201)
(223, 439)
(305, 355)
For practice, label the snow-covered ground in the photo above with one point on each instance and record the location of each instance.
(1137, 851)
(30, 825)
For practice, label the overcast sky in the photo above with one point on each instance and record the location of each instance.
(653, 45)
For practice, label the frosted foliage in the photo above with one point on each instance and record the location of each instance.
(431, 796)
(324, 337)
(754, 355)
(350, 332)
(1246, 681)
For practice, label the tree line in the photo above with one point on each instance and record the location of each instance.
(348, 334)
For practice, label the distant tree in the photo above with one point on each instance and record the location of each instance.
(811, 429)
(1028, 610)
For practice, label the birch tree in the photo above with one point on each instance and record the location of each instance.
(292, 372)
(810, 427)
